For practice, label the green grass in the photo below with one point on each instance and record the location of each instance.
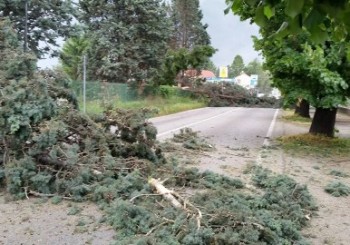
(289, 115)
(164, 106)
(316, 144)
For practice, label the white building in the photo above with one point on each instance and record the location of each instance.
(246, 81)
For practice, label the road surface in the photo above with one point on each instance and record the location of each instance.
(225, 126)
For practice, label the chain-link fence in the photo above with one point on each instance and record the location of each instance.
(105, 91)
(99, 93)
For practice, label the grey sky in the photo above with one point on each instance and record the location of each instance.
(228, 33)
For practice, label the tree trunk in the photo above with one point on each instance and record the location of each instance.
(302, 108)
(324, 122)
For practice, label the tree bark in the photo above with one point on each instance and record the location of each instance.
(324, 121)
(165, 193)
(302, 108)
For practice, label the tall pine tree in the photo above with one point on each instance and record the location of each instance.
(128, 38)
(237, 66)
(47, 20)
(189, 31)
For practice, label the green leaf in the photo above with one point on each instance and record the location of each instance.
(348, 52)
(295, 25)
(260, 18)
(314, 19)
(318, 35)
(236, 5)
(269, 11)
(229, 7)
(294, 7)
(227, 10)
(251, 2)
(282, 31)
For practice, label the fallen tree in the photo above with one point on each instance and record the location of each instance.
(51, 150)
(229, 94)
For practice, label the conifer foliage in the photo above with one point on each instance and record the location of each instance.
(47, 20)
(128, 38)
(189, 31)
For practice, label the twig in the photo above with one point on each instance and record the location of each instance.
(26, 191)
(38, 194)
(199, 213)
(169, 195)
(132, 199)
(155, 227)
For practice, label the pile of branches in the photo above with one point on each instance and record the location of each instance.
(190, 139)
(53, 150)
(229, 94)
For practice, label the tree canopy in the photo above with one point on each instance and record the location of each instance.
(47, 21)
(71, 56)
(188, 29)
(128, 38)
(301, 68)
(323, 19)
(237, 66)
(177, 61)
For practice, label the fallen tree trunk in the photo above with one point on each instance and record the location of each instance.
(166, 193)
(171, 197)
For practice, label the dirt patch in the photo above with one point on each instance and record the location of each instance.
(38, 221)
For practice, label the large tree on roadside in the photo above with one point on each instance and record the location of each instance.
(128, 38)
(322, 19)
(189, 44)
(71, 56)
(46, 20)
(188, 29)
(318, 73)
(237, 66)
(177, 61)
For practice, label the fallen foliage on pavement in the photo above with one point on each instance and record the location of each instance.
(230, 94)
(52, 150)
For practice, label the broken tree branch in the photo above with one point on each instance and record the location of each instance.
(167, 194)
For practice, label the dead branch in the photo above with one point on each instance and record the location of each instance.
(141, 195)
(47, 160)
(167, 194)
(38, 194)
(155, 227)
(199, 213)
(171, 196)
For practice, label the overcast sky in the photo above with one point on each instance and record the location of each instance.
(228, 34)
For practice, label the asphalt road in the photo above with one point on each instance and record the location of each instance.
(225, 126)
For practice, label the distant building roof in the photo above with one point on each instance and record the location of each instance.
(203, 74)
(207, 74)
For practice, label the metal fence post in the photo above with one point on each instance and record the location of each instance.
(84, 84)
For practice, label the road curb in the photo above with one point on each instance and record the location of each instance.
(344, 110)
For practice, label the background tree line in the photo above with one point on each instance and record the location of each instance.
(253, 67)
(123, 40)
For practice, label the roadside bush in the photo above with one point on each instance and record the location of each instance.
(167, 91)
